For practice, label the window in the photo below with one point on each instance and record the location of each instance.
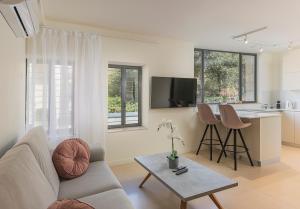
(50, 98)
(124, 96)
(225, 76)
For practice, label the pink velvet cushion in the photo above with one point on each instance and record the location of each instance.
(69, 204)
(71, 158)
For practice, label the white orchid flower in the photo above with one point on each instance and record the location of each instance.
(168, 124)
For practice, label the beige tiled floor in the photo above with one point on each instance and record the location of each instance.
(272, 187)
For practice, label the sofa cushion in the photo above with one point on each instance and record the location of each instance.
(70, 204)
(98, 178)
(37, 140)
(71, 158)
(23, 185)
(96, 150)
(113, 199)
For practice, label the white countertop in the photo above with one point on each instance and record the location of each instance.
(253, 115)
(292, 110)
(267, 110)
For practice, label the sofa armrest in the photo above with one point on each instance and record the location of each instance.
(97, 153)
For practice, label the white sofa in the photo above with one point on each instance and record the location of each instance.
(28, 179)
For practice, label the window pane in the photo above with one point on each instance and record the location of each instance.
(38, 96)
(114, 97)
(132, 96)
(248, 78)
(221, 77)
(50, 98)
(198, 73)
(63, 82)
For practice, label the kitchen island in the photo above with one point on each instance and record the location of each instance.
(263, 137)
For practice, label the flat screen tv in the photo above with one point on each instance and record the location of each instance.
(169, 92)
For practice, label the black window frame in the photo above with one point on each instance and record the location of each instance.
(202, 92)
(123, 69)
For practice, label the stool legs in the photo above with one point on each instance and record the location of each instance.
(211, 128)
(235, 147)
(221, 143)
(247, 151)
(203, 137)
(211, 141)
(225, 143)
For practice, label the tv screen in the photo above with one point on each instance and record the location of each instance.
(173, 92)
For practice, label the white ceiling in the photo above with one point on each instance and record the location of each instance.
(207, 23)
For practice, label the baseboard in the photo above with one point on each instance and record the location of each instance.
(131, 160)
(269, 161)
(290, 144)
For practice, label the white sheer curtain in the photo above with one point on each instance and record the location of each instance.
(65, 84)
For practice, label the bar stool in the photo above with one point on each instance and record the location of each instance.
(206, 116)
(231, 120)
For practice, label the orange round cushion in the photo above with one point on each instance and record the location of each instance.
(69, 204)
(71, 158)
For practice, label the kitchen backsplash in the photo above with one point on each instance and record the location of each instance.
(292, 96)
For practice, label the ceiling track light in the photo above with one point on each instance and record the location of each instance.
(250, 32)
(261, 46)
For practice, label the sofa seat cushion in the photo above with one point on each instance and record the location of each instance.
(23, 185)
(37, 140)
(70, 204)
(71, 158)
(98, 178)
(113, 199)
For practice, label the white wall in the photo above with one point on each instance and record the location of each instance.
(164, 57)
(161, 58)
(12, 86)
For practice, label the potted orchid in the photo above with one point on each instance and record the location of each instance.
(173, 135)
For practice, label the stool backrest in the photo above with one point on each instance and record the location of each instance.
(229, 117)
(206, 115)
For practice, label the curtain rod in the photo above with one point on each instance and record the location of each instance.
(68, 30)
(97, 33)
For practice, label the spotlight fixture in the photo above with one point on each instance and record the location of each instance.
(290, 46)
(261, 50)
(246, 40)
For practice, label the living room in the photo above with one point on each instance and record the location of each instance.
(97, 71)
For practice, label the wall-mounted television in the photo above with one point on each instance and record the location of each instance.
(169, 92)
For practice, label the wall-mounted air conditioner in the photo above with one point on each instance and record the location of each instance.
(22, 16)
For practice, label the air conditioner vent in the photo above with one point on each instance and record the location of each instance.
(21, 15)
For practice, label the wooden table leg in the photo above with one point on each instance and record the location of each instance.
(183, 204)
(145, 179)
(215, 200)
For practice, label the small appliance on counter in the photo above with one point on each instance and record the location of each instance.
(278, 105)
(289, 105)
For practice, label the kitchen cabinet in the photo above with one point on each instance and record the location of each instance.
(291, 81)
(297, 127)
(291, 70)
(288, 126)
(291, 61)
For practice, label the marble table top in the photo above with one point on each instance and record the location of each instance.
(197, 182)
